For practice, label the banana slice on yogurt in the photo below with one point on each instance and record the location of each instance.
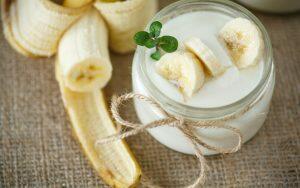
(183, 68)
(243, 41)
(206, 55)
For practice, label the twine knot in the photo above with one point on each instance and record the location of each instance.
(187, 127)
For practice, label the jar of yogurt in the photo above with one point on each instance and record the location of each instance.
(220, 96)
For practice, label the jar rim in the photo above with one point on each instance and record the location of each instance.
(192, 112)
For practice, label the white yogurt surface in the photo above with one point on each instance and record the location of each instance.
(228, 88)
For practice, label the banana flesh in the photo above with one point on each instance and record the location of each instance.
(183, 68)
(206, 55)
(83, 54)
(124, 19)
(91, 121)
(243, 42)
(7, 29)
(37, 25)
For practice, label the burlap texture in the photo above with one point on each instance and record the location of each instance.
(37, 148)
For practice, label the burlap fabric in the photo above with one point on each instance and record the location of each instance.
(37, 148)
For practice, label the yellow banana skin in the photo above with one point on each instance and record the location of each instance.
(91, 121)
(75, 3)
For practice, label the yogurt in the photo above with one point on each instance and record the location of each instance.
(231, 86)
(220, 96)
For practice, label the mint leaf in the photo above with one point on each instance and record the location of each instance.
(150, 40)
(168, 43)
(156, 55)
(150, 43)
(141, 37)
(155, 29)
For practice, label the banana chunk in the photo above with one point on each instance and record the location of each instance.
(184, 69)
(243, 42)
(124, 19)
(207, 57)
(83, 54)
(91, 121)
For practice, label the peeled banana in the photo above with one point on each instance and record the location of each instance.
(184, 68)
(37, 25)
(83, 54)
(124, 19)
(243, 41)
(91, 121)
(206, 55)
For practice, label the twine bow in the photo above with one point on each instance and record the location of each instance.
(187, 127)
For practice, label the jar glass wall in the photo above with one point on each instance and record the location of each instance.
(248, 124)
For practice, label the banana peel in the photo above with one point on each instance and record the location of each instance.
(75, 3)
(91, 121)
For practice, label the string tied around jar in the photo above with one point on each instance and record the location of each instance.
(186, 126)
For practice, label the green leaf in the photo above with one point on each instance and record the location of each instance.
(141, 37)
(156, 55)
(150, 43)
(168, 43)
(155, 29)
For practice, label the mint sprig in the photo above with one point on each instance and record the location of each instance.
(151, 39)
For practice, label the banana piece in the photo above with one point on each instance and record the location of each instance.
(207, 57)
(184, 68)
(124, 19)
(75, 3)
(83, 54)
(243, 42)
(91, 121)
(37, 25)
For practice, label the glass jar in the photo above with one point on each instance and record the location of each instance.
(249, 123)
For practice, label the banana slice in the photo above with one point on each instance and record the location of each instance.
(75, 3)
(91, 121)
(184, 69)
(243, 41)
(207, 57)
(37, 25)
(83, 54)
